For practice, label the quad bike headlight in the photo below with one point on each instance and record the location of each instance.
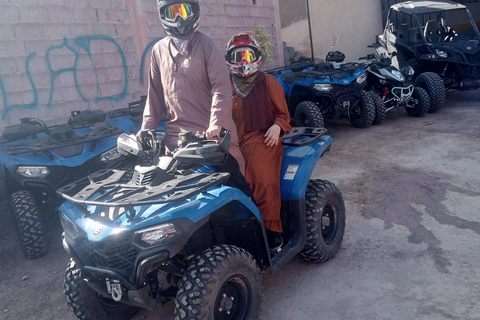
(33, 172)
(69, 227)
(399, 75)
(110, 155)
(156, 235)
(322, 87)
(362, 78)
(441, 53)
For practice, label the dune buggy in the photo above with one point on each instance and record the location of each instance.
(440, 40)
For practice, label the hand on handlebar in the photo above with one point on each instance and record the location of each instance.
(213, 132)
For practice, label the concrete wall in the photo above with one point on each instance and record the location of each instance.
(343, 25)
(57, 56)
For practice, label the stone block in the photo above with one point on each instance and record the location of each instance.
(8, 66)
(9, 14)
(60, 14)
(7, 32)
(56, 30)
(85, 15)
(27, 31)
(30, 14)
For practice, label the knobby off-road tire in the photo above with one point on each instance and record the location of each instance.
(86, 304)
(363, 114)
(224, 282)
(307, 114)
(379, 109)
(421, 101)
(325, 210)
(433, 84)
(29, 224)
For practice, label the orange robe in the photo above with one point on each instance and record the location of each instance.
(263, 164)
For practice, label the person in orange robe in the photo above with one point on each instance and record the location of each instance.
(261, 116)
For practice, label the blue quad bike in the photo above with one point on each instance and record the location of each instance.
(36, 160)
(178, 231)
(315, 92)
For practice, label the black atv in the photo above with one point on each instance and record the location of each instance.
(440, 40)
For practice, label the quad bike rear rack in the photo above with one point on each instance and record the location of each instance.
(63, 139)
(103, 188)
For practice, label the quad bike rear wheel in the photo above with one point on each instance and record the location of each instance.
(325, 213)
(379, 109)
(363, 114)
(29, 224)
(419, 104)
(433, 84)
(307, 114)
(222, 283)
(86, 303)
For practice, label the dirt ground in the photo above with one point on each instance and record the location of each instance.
(412, 193)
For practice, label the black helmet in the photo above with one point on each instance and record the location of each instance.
(179, 17)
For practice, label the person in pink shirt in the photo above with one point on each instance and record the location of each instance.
(189, 79)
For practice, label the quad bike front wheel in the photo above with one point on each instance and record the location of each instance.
(379, 109)
(86, 303)
(307, 114)
(363, 114)
(29, 224)
(325, 213)
(419, 104)
(222, 283)
(433, 85)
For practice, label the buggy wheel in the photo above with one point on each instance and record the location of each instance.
(29, 224)
(419, 104)
(85, 303)
(325, 211)
(379, 109)
(363, 114)
(433, 84)
(222, 283)
(307, 114)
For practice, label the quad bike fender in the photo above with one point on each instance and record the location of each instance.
(298, 164)
(194, 209)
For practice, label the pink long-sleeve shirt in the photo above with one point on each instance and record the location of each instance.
(198, 94)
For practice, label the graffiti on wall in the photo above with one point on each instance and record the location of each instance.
(83, 54)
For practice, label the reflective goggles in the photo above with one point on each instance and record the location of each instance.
(183, 10)
(242, 54)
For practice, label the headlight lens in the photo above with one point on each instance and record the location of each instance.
(33, 172)
(322, 87)
(408, 70)
(398, 74)
(362, 78)
(441, 53)
(110, 155)
(69, 227)
(157, 235)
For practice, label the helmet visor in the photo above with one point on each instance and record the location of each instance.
(242, 54)
(182, 10)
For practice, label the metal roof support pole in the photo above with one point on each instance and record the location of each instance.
(310, 31)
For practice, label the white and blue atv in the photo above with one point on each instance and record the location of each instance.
(178, 231)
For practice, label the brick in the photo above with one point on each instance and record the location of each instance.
(7, 32)
(8, 66)
(39, 47)
(108, 45)
(60, 14)
(111, 89)
(9, 14)
(101, 15)
(28, 3)
(35, 64)
(86, 15)
(123, 30)
(56, 30)
(66, 79)
(51, 3)
(12, 48)
(115, 15)
(32, 14)
(116, 74)
(41, 79)
(27, 31)
(80, 29)
(60, 60)
(76, 3)
(42, 96)
(64, 94)
(107, 4)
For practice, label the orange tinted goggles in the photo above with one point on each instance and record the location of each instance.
(245, 54)
(182, 10)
